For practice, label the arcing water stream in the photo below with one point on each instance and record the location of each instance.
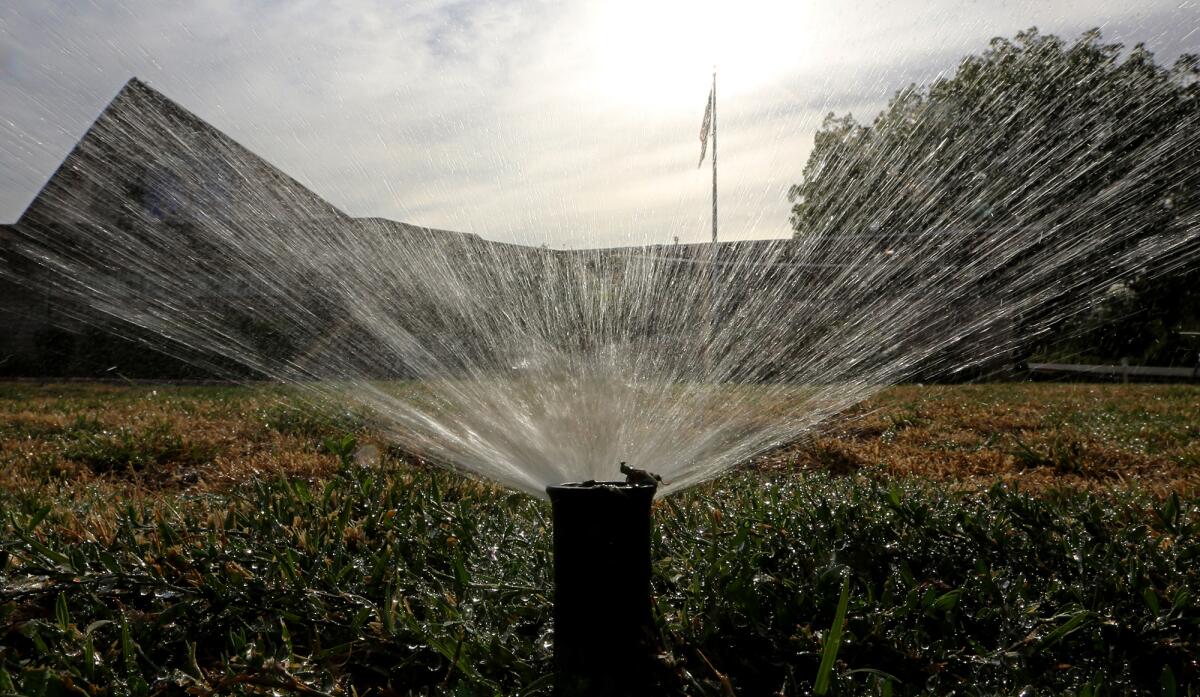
(927, 246)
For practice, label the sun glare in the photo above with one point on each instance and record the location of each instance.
(661, 53)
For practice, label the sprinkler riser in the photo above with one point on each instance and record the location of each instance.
(604, 642)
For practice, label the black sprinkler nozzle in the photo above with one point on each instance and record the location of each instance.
(604, 640)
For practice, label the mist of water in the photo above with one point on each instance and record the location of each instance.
(532, 366)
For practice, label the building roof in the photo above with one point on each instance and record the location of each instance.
(146, 158)
(147, 148)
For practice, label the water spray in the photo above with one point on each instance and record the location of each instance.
(604, 642)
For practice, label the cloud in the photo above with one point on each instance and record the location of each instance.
(571, 124)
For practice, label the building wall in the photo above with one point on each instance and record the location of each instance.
(22, 315)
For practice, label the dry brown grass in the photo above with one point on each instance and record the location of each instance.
(126, 441)
(1038, 435)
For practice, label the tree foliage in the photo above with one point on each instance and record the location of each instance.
(1019, 133)
(1088, 138)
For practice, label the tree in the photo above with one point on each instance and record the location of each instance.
(1032, 145)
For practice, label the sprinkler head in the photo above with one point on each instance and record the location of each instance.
(604, 638)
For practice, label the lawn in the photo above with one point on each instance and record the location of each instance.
(996, 539)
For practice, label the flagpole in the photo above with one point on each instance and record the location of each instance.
(712, 249)
(708, 129)
(714, 157)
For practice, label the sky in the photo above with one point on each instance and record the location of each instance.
(569, 124)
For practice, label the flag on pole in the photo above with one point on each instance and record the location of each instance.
(704, 129)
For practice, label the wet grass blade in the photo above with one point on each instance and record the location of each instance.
(1073, 623)
(832, 642)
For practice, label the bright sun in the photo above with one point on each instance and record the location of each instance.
(659, 53)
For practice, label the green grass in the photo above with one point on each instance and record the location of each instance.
(966, 540)
(420, 582)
